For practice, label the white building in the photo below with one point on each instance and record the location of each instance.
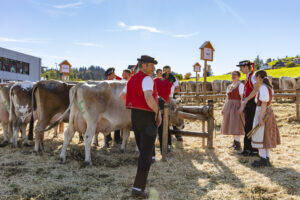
(265, 66)
(15, 66)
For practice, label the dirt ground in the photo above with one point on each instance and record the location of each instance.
(191, 172)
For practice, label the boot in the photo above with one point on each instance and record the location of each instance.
(263, 162)
(237, 146)
(139, 194)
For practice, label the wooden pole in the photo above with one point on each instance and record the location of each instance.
(197, 99)
(298, 104)
(165, 132)
(210, 126)
(204, 98)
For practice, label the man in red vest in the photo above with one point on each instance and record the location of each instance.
(110, 75)
(141, 98)
(248, 105)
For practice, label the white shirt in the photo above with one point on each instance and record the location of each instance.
(172, 91)
(147, 84)
(176, 83)
(264, 93)
(241, 89)
(252, 77)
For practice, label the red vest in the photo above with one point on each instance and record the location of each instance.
(270, 98)
(135, 94)
(117, 78)
(163, 88)
(234, 94)
(248, 85)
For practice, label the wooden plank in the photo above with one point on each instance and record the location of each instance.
(189, 133)
(210, 127)
(190, 116)
(165, 132)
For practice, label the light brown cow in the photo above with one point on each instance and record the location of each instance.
(276, 83)
(225, 84)
(287, 83)
(191, 86)
(50, 99)
(20, 110)
(217, 86)
(183, 87)
(4, 108)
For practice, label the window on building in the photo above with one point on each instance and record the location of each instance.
(26, 68)
(13, 66)
(6, 66)
(19, 67)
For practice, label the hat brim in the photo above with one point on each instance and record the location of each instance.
(140, 60)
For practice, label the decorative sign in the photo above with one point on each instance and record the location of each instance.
(197, 67)
(207, 54)
(207, 51)
(65, 68)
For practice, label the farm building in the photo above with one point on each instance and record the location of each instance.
(16, 66)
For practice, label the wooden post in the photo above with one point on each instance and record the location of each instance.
(197, 94)
(165, 132)
(298, 104)
(204, 98)
(210, 126)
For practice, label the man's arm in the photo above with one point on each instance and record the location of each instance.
(252, 94)
(153, 105)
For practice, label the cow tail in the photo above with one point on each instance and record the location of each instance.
(10, 112)
(64, 114)
(33, 107)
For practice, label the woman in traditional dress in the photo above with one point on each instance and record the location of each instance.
(233, 122)
(267, 135)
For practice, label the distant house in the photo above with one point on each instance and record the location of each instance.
(296, 61)
(278, 64)
(265, 66)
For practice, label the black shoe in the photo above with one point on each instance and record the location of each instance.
(139, 194)
(245, 153)
(263, 162)
(233, 145)
(269, 163)
(237, 146)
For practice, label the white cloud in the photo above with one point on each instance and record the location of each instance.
(140, 27)
(185, 35)
(227, 9)
(77, 4)
(87, 44)
(25, 40)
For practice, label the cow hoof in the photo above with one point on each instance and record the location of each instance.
(62, 160)
(27, 145)
(87, 163)
(122, 150)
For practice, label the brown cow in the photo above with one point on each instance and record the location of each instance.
(276, 83)
(50, 99)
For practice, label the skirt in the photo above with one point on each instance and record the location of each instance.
(267, 136)
(233, 122)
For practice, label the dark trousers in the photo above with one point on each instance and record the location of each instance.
(117, 136)
(145, 131)
(249, 112)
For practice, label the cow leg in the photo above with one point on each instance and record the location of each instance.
(96, 139)
(55, 132)
(39, 136)
(88, 137)
(68, 135)
(106, 140)
(80, 138)
(16, 128)
(24, 137)
(4, 127)
(126, 133)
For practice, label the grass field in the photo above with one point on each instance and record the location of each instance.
(191, 172)
(276, 73)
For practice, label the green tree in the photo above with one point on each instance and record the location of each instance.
(258, 63)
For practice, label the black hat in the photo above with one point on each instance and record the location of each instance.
(131, 67)
(244, 63)
(109, 71)
(147, 59)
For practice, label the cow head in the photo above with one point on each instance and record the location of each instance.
(175, 120)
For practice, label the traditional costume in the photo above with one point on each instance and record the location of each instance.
(267, 136)
(233, 122)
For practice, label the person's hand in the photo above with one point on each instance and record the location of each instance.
(158, 119)
(240, 111)
(261, 122)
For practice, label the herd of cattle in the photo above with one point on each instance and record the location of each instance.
(88, 108)
(283, 83)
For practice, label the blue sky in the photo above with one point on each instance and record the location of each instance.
(113, 33)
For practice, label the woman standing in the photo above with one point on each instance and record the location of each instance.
(267, 136)
(233, 122)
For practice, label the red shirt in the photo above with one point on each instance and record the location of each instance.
(135, 95)
(163, 88)
(116, 78)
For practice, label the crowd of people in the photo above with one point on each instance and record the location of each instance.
(247, 106)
